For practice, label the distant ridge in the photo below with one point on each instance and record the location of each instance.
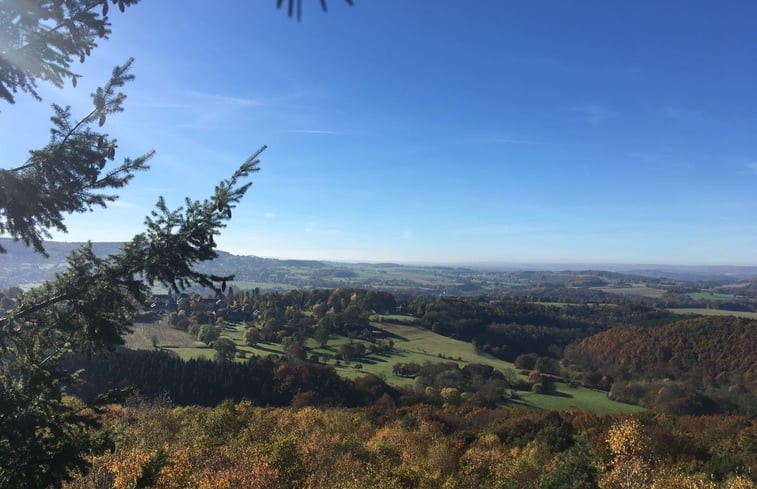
(679, 272)
(22, 266)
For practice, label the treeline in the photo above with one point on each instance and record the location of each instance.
(508, 328)
(748, 289)
(267, 382)
(643, 358)
(419, 446)
(505, 328)
(706, 364)
(742, 304)
(472, 385)
(643, 354)
(562, 294)
(207, 383)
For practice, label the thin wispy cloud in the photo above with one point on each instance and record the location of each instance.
(122, 204)
(169, 105)
(192, 99)
(202, 110)
(269, 215)
(225, 99)
(593, 113)
(752, 167)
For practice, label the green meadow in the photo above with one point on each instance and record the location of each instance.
(418, 345)
(710, 296)
(639, 290)
(713, 312)
(402, 318)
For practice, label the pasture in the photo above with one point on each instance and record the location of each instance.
(636, 290)
(713, 312)
(392, 318)
(416, 345)
(568, 398)
(710, 296)
(143, 334)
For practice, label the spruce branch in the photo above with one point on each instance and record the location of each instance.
(63, 176)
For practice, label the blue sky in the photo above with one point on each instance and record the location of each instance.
(439, 131)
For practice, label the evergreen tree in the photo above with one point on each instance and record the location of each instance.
(89, 306)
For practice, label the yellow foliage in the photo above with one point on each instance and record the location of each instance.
(309, 417)
(740, 482)
(127, 469)
(179, 472)
(242, 446)
(483, 460)
(626, 439)
(677, 480)
(450, 395)
(258, 475)
(682, 481)
(525, 465)
(630, 467)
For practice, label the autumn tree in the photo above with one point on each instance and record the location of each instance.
(631, 466)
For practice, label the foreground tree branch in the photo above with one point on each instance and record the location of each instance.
(71, 173)
(88, 308)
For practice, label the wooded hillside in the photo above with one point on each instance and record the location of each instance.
(716, 356)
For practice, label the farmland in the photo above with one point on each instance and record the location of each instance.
(639, 290)
(24, 268)
(710, 296)
(713, 312)
(417, 345)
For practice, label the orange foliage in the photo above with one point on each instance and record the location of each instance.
(128, 469)
(257, 475)
(715, 350)
(241, 446)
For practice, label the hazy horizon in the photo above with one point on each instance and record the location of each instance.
(503, 264)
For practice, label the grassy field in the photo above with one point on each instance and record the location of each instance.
(557, 304)
(414, 345)
(250, 285)
(418, 345)
(570, 398)
(234, 332)
(141, 338)
(713, 312)
(710, 296)
(395, 317)
(641, 290)
(421, 345)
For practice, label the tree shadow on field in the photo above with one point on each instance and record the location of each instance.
(551, 390)
(265, 348)
(393, 336)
